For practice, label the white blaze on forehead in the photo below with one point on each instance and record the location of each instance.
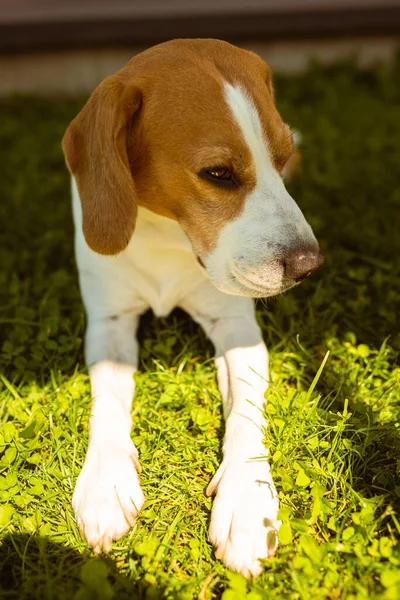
(248, 120)
(269, 199)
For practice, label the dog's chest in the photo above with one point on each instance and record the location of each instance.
(163, 265)
(156, 270)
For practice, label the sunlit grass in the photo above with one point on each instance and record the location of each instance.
(333, 404)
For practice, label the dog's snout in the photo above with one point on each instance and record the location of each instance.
(301, 263)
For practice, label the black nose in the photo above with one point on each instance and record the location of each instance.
(301, 263)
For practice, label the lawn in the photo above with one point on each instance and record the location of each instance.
(333, 404)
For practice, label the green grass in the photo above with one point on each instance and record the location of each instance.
(334, 438)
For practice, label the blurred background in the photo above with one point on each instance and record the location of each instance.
(64, 47)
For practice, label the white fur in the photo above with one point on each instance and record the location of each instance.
(158, 270)
(247, 257)
(155, 270)
(108, 496)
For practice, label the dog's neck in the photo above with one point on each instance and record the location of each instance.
(162, 231)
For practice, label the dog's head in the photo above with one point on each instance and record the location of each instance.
(189, 130)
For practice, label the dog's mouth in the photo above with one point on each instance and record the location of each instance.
(249, 287)
(201, 262)
(265, 284)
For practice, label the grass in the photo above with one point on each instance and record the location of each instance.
(334, 418)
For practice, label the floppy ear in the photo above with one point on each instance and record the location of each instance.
(293, 165)
(95, 151)
(269, 80)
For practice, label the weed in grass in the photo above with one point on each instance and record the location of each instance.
(333, 418)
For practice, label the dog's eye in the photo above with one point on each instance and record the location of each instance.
(220, 176)
(220, 173)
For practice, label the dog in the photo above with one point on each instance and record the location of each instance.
(177, 166)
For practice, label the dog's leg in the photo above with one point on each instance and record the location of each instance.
(107, 495)
(244, 517)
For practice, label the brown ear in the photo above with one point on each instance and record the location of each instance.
(269, 81)
(95, 150)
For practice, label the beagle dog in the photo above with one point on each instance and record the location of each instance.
(177, 166)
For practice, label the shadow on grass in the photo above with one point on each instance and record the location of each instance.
(35, 568)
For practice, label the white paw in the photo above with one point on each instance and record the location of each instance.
(108, 496)
(244, 525)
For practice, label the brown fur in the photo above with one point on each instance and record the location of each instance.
(147, 132)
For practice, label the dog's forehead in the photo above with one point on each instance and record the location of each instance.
(185, 83)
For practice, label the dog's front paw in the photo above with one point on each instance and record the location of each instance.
(108, 496)
(244, 520)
